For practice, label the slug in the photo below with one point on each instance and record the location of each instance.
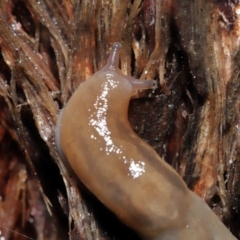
(126, 174)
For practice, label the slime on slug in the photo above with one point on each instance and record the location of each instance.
(125, 173)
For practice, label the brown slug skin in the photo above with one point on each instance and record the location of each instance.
(123, 171)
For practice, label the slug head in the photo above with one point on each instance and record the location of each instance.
(112, 65)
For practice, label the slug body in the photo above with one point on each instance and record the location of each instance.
(124, 172)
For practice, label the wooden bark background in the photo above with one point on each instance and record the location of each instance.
(192, 120)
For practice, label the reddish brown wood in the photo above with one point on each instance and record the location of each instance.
(192, 119)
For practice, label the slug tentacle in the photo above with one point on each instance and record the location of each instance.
(113, 59)
(142, 84)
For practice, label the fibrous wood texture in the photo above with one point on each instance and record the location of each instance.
(192, 120)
